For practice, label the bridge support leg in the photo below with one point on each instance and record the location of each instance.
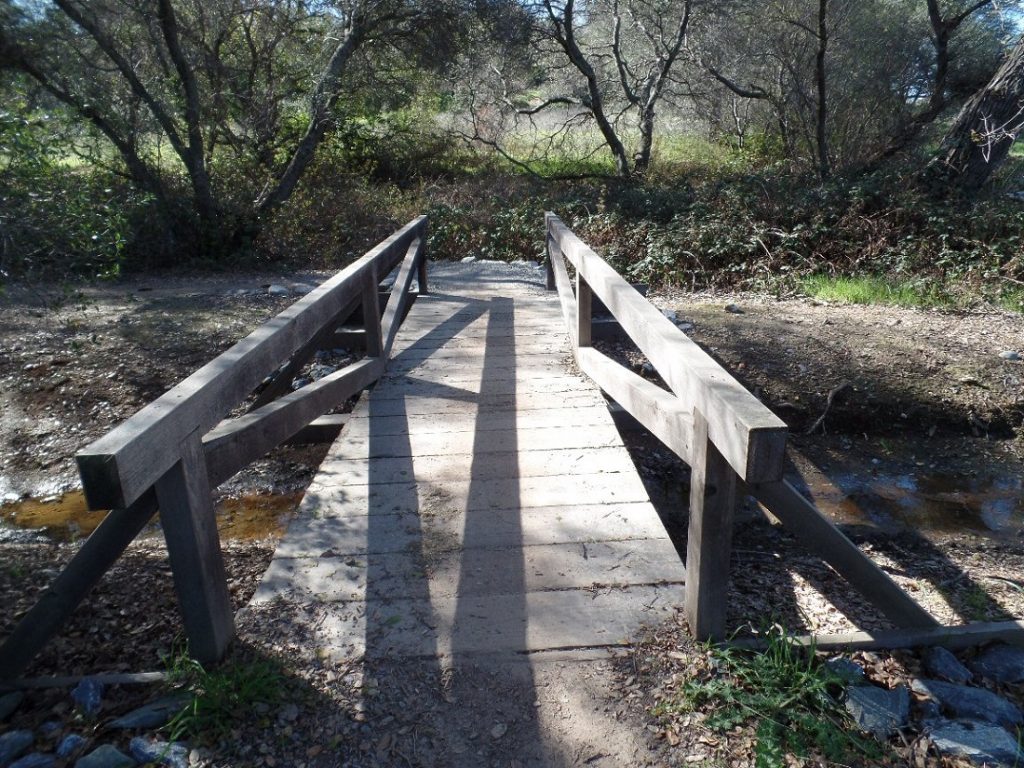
(187, 517)
(715, 489)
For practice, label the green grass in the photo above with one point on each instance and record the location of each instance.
(869, 289)
(1011, 299)
(789, 699)
(218, 697)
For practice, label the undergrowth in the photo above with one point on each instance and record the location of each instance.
(217, 697)
(787, 696)
(872, 289)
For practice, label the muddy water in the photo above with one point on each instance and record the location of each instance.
(938, 503)
(67, 518)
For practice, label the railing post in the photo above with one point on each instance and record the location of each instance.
(371, 313)
(552, 247)
(714, 492)
(421, 268)
(584, 312)
(190, 528)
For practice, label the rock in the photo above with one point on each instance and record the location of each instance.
(981, 743)
(499, 730)
(88, 696)
(684, 327)
(35, 760)
(278, 290)
(289, 713)
(878, 711)
(849, 671)
(49, 728)
(1002, 663)
(468, 259)
(733, 309)
(939, 662)
(14, 744)
(302, 289)
(670, 315)
(155, 714)
(970, 703)
(106, 756)
(69, 745)
(10, 702)
(1011, 355)
(171, 754)
(648, 369)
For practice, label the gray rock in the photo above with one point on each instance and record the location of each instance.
(88, 696)
(10, 702)
(733, 309)
(278, 290)
(878, 711)
(155, 714)
(35, 760)
(685, 327)
(970, 703)
(468, 259)
(14, 744)
(670, 314)
(1011, 355)
(648, 369)
(106, 756)
(849, 671)
(980, 742)
(302, 288)
(1002, 663)
(171, 754)
(70, 744)
(49, 728)
(939, 662)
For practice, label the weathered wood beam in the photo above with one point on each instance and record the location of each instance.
(119, 467)
(560, 280)
(714, 494)
(319, 431)
(660, 412)
(963, 636)
(397, 307)
(750, 437)
(821, 536)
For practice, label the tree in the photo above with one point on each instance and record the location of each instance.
(982, 134)
(597, 60)
(205, 79)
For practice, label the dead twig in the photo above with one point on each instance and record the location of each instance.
(836, 391)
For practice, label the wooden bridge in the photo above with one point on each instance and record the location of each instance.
(479, 499)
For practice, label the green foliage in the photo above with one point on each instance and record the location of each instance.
(219, 697)
(873, 289)
(787, 695)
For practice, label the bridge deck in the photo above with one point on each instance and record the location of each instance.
(480, 499)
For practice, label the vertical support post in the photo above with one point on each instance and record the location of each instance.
(371, 313)
(714, 490)
(187, 516)
(552, 251)
(421, 265)
(584, 312)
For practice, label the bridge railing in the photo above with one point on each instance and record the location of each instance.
(734, 444)
(172, 453)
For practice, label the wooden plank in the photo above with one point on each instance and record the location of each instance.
(396, 309)
(70, 681)
(750, 437)
(324, 429)
(584, 311)
(372, 314)
(190, 528)
(119, 467)
(822, 536)
(237, 442)
(963, 636)
(657, 410)
(565, 294)
(352, 339)
(421, 267)
(85, 569)
(714, 494)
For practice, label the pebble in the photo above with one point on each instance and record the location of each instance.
(685, 327)
(155, 714)
(302, 288)
(106, 756)
(878, 711)
(981, 743)
(1002, 663)
(14, 744)
(289, 713)
(35, 760)
(970, 703)
(499, 730)
(10, 702)
(171, 754)
(1011, 355)
(88, 696)
(733, 309)
(278, 290)
(69, 745)
(941, 663)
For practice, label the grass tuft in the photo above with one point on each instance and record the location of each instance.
(869, 289)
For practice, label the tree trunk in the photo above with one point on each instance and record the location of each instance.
(821, 129)
(985, 129)
(642, 157)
